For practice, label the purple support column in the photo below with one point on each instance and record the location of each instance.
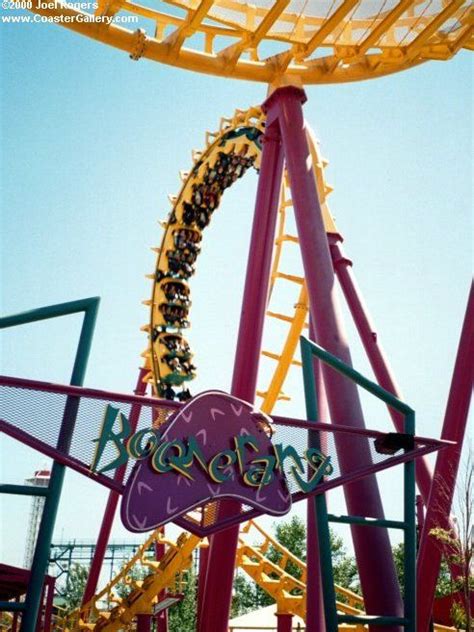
(112, 502)
(143, 623)
(203, 559)
(314, 596)
(48, 608)
(374, 350)
(447, 464)
(284, 622)
(162, 617)
(220, 568)
(15, 619)
(371, 544)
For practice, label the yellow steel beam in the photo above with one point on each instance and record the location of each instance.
(268, 21)
(176, 39)
(326, 29)
(382, 27)
(280, 69)
(414, 47)
(287, 353)
(250, 40)
(290, 277)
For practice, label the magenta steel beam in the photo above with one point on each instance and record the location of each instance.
(217, 598)
(162, 617)
(374, 350)
(315, 621)
(82, 391)
(48, 613)
(446, 469)
(373, 551)
(143, 623)
(284, 622)
(202, 568)
(112, 502)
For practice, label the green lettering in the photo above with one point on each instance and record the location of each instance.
(240, 443)
(321, 466)
(161, 463)
(261, 471)
(194, 452)
(287, 452)
(107, 435)
(135, 447)
(215, 468)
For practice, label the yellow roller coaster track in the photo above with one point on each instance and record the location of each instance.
(229, 152)
(143, 593)
(288, 592)
(277, 41)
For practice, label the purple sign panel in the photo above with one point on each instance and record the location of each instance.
(215, 447)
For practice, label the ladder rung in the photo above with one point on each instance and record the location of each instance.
(290, 277)
(281, 397)
(274, 356)
(283, 238)
(287, 319)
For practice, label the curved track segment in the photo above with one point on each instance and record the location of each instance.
(228, 154)
(315, 43)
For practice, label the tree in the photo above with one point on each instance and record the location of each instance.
(182, 616)
(458, 548)
(136, 573)
(247, 596)
(75, 585)
(444, 585)
(344, 565)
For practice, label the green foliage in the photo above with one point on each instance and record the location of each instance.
(443, 587)
(75, 585)
(247, 596)
(182, 616)
(458, 551)
(344, 565)
(459, 616)
(457, 544)
(292, 535)
(125, 587)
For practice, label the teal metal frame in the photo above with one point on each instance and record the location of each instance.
(310, 351)
(89, 306)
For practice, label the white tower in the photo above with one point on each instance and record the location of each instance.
(40, 479)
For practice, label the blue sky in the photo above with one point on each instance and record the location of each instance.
(92, 144)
